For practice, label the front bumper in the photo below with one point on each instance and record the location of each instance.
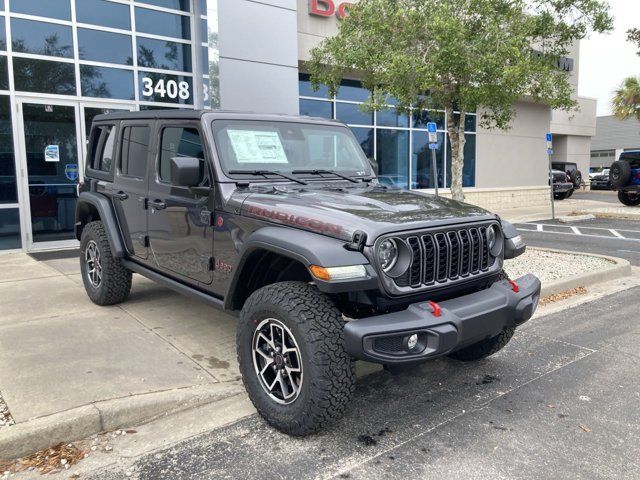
(463, 321)
(562, 187)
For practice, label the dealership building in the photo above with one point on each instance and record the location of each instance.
(64, 61)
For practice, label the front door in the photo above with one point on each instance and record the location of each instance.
(49, 138)
(180, 231)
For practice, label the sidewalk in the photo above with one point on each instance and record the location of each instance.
(563, 207)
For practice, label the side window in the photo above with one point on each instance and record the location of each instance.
(179, 142)
(103, 158)
(135, 148)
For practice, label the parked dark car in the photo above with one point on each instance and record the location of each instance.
(625, 177)
(282, 221)
(601, 180)
(562, 186)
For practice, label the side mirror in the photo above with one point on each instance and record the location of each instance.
(186, 171)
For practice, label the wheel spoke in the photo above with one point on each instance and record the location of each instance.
(264, 355)
(267, 364)
(267, 340)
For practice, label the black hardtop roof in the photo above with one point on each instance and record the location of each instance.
(189, 114)
(631, 151)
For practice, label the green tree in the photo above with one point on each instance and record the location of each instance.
(460, 55)
(626, 99)
(633, 36)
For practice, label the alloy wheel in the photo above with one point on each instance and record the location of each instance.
(93, 264)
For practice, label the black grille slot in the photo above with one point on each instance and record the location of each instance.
(445, 256)
(442, 248)
(388, 344)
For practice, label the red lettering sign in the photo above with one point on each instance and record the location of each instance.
(326, 8)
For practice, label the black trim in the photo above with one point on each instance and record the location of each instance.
(107, 216)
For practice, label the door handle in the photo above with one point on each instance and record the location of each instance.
(120, 196)
(157, 204)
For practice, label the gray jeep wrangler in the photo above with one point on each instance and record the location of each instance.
(283, 221)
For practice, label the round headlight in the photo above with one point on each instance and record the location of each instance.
(492, 235)
(387, 254)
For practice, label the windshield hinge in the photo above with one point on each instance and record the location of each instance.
(358, 241)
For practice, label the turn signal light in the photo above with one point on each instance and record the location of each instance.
(338, 273)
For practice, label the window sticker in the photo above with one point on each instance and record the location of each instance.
(257, 146)
(52, 153)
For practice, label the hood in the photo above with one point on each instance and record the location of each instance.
(339, 212)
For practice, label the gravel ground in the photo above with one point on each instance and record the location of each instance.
(549, 266)
(5, 416)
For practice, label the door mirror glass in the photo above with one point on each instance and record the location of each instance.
(186, 171)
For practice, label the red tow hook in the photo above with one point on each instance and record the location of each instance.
(437, 311)
(514, 286)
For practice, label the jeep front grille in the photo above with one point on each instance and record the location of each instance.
(445, 256)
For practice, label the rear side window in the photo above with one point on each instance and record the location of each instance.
(179, 142)
(135, 148)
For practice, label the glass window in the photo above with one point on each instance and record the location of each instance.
(469, 165)
(179, 142)
(391, 118)
(352, 114)
(10, 229)
(392, 151)
(42, 38)
(421, 118)
(44, 76)
(203, 30)
(352, 90)
(421, 164)
(8, 192)
(91, 46)
(365, 139)
(106, 82)
(4, 73)
(91, 112)
(161, 87)
(162, 23)
(104, 13)
(174, 4)
(164, 55)
(304, 86)
(60, 9)
(104, 158)
(3, 34)
(135, 149)
(316, 108)
(469, 122)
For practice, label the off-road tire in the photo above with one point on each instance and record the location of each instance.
(620, 174)
(484, 348)
(569, 193)
(328, 371)
(631, 200)
(116, 278)
(576, 178)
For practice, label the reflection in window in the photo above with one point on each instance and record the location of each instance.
(174, 4)
(41, 38)
(106, 82)
(44, 76)
(3, 34)
(60, 9)
(391, 118)
(4, 73)
(106, 158)
(352, 114)
(161, 87)
(179, 142)
(91, 46)
(164, 55)
(421, 118)
(104, 13)
(8, 192)
(10, 228)
(392, 156)
(135, 147)
(162, 23)
(307, 91)
(352, 90)
(316, 108)
(469, 122)
(365, 139)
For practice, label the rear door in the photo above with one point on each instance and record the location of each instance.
(131, 185)
(180, 229)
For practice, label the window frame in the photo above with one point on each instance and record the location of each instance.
(161, 127)
(151, 147)
(93, 172)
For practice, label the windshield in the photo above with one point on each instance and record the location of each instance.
(246, 145)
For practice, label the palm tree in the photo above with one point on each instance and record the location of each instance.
(626, 101)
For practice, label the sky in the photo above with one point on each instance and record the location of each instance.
(605, 60)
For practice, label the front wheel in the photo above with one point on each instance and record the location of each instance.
(629, 199)
(292, 357)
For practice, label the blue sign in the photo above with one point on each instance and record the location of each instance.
(549, 151)
(433, 146)
(71, 171)
(549, 137)
(432, 127)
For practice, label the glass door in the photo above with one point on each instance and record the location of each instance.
(50, 153)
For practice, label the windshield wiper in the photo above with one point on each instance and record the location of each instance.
(326, 172)
(267, 172)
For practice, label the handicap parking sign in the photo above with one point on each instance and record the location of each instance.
(71, 171)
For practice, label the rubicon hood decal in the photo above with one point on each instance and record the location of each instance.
(340, 212)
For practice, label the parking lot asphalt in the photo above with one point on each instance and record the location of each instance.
(599, 195)
(617, 238)
(560, 401)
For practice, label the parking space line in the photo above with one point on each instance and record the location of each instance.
(539, 227)
(613, 234)
(616, 233)
(576, 231)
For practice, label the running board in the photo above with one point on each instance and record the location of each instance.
(174, 284)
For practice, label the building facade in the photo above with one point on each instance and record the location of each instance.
(613, 136)
(64, 61)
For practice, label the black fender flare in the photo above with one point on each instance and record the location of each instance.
(308, 248)
(107, 217)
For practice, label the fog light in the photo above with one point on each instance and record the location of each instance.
(412, 341)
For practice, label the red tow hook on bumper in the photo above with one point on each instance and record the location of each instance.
(436, 311)
(514, 286)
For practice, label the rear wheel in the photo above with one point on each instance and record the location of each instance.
(105, 279)
(631, 199)
(620, 174)
(292, 357)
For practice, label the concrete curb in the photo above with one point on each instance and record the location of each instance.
(77, 423)
(575, 218)
(619, 268)
(610, 214)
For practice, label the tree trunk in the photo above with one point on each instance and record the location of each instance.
(457, 139)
